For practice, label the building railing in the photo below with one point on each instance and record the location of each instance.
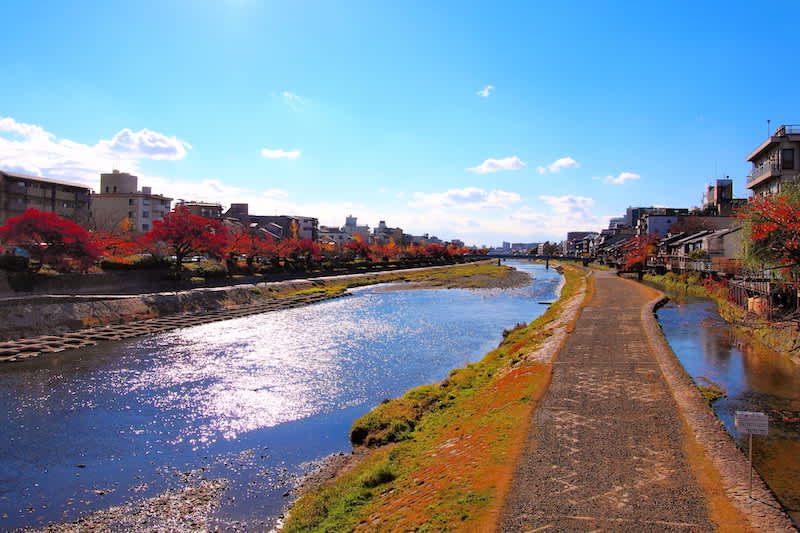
(788, 129)
(771, 168)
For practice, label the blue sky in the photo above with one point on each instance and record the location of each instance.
(395, 111)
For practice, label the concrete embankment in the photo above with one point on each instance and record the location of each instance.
(622, 439)
(31, 326)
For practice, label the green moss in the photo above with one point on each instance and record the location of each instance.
(711, 394)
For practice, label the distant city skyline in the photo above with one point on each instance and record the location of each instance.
(481, 122)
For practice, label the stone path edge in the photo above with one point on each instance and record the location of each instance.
(763, 512)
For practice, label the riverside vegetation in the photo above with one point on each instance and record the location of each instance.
(441, 457)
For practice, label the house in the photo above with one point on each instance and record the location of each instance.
(20, 191)
(119, 199)
(775, 161)
(705, 251)
(278, 226)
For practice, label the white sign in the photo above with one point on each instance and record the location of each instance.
(747, 422)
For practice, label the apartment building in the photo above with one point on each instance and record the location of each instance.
(202, 209)
(775, 161)
(119, 198)
(20, 191)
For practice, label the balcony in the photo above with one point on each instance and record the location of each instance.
(788, 129)
(764, 170)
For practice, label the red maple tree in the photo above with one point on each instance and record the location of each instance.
(50, 240)
(185, 233)
(773, 225)
(118, 244)
(636, 250)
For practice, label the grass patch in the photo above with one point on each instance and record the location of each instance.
(711, 394)
(442, 455)
(469, 276)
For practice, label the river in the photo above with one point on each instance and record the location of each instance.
(254, 401)
(754, 378)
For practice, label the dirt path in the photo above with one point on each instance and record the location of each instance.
(607, 451)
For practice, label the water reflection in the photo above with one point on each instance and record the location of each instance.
(755, 379)
(249, 399)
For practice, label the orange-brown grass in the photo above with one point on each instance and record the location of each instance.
(445, 453)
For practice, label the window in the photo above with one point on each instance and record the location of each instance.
(115, 188)
(146, 201)
(145, 214)
(130, 214)
(787, 159)
(130, 201)
(145, 227)
(106, 188)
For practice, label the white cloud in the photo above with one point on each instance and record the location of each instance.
(30, 148)
(558, 164)
(569, 204)
(291, 97)
(486, 91)
(292, 100)
(280, 154)
(493, 165)
(467, 198)
(621, 179)
(144, 144)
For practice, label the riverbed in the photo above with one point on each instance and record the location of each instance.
(754, 378)
(244, 406)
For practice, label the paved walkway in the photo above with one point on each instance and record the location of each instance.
(605, 452)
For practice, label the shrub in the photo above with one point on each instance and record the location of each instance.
(13, 263)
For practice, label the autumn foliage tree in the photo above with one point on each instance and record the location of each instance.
(636, 250)
(50, 240)
(185, 233)
(118, 244)
(772, 225)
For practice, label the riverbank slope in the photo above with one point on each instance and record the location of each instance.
(441, 457)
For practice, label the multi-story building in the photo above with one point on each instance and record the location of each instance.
(19, 191)
(202, 209)
(718, 199)
(332, 235)
(352, 228)
(120, 199)
(775, 161)
(383, 234)
(577, 243)
(658, 220)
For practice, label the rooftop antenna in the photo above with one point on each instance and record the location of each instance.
(768, 121)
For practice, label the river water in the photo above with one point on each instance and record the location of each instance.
(253, 400)
(755, 379)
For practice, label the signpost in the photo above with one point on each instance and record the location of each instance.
(751, 423)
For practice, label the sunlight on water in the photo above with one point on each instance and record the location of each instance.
(287, 383)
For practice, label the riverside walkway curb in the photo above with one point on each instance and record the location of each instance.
(607, 450)
(762, 510)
